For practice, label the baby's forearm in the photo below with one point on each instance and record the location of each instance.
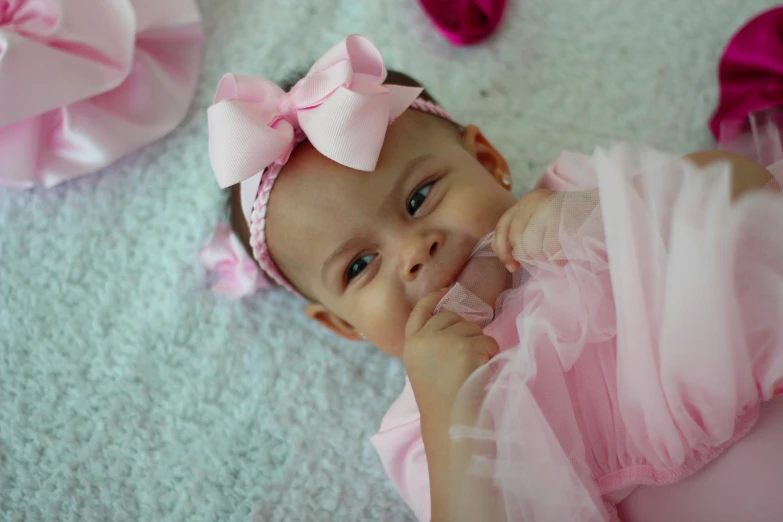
(435, 434)
(746, 175)
(447, 461)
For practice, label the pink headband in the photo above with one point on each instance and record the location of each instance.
(341, 106)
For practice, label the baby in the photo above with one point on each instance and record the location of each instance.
(356, 191)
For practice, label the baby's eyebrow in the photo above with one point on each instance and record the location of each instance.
(411, 166)
(409, 169)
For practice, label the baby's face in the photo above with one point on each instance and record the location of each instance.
(366, 246)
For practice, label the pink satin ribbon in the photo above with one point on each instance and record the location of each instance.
(750, 74)
(465, 22)
(84, 82)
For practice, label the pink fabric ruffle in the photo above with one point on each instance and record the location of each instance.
(84, 82)
(750, 74)
(464, 22)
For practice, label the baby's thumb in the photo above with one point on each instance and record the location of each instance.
(423, 311)
(490, 346)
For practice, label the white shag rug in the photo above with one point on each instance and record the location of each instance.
(129, 392)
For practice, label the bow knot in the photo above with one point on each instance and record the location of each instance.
(287, 110)
(341, 106)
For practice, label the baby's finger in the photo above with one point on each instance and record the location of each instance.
(489, 346)
(531, 229)
(531, 245)
(500, 243)
(442, 321)
(551, 242)
(464, 329)
(423, 311)
(519, 234)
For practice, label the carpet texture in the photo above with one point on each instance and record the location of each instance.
(128, 391)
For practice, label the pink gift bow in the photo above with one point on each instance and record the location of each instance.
(341, 106)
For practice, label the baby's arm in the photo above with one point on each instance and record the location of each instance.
(447, 460)
(441, 350)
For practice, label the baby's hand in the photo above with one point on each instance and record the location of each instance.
(512, 231)
(441, 351)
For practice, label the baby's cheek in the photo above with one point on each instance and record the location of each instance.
(479, 211)
(381, 312)
(385, 328)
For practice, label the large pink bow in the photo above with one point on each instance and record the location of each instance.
(341, 106)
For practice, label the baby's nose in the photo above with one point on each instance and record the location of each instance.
(419, 252)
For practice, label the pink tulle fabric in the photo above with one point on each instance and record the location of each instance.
(636, 354)
(465, 22)
(84, 82)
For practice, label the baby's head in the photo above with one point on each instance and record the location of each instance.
(363, 246)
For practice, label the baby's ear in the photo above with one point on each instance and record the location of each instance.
(318, 312)
(492, 160)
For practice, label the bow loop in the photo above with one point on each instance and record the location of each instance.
(317, 86)
(247, 88)
(363, 56)
(246, 133)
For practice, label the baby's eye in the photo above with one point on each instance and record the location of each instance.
(357, 266)
(416, 199)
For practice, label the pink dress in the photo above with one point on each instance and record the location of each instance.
(648, 345)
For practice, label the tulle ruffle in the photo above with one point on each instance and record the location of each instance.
(636, 353)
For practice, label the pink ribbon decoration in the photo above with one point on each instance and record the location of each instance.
(465, 22)
(84, 82)
(750, 74)
(341, 106)
(235, 273)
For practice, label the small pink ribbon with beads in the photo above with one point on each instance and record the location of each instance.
(234, 271)
(342, 106)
